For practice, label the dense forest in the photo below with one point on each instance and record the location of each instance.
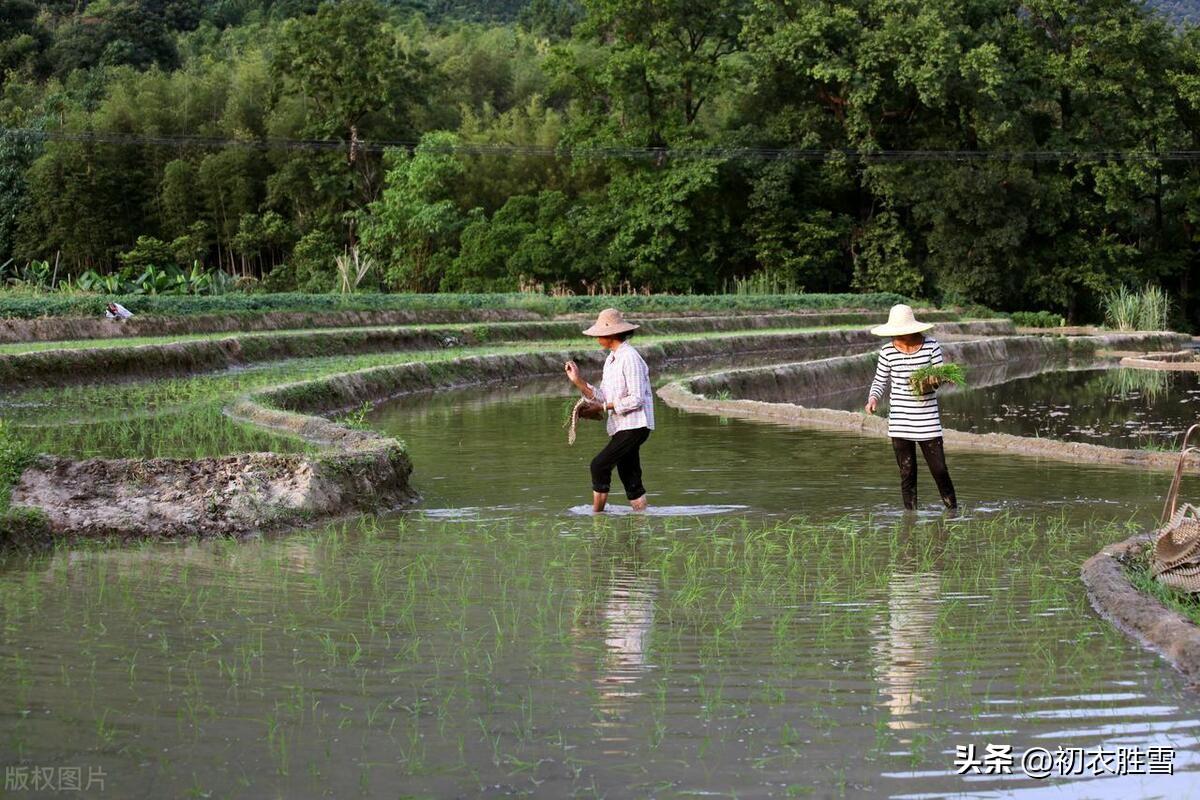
(584, 144)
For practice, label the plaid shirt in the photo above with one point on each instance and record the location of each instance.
(626, 384)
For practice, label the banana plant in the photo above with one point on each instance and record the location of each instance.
(155, 281)
(92, 281)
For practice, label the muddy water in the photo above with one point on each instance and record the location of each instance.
(493, 643)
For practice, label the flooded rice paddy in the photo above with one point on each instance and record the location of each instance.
(788, 633)
(1129, 408)
(1096, 404)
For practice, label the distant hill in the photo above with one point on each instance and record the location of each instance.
(1180, 10)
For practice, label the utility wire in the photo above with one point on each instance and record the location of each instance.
(612, 153)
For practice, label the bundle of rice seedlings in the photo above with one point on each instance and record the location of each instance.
(943, 373)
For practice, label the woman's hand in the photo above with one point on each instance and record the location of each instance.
(572, 370)
(872, 404)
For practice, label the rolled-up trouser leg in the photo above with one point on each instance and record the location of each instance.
(906, 459)
(619, 447)
(935, 456)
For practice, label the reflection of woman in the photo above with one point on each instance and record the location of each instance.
(620, 621)
(912, 418)
(904, 650)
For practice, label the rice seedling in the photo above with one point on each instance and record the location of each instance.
(15, 455)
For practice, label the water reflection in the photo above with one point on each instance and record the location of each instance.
(620, 622)
(626, 620)
(905, 646)
(1124, 407)
(181, 560)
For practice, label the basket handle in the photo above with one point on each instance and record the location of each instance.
(1173, 494)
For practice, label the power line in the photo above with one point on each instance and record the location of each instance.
(724, 153)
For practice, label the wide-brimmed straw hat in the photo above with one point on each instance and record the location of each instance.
(610, 323)
(901, 322)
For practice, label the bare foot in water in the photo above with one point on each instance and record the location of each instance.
(599, 499)
(640, 504)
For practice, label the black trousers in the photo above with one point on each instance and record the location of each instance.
(935, 457)
(623, 452)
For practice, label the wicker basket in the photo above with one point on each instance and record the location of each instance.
(1176, 557)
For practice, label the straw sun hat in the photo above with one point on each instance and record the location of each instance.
(610, 323)
(901, 322)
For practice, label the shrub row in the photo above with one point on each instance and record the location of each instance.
(31, 306)
(1038, 319)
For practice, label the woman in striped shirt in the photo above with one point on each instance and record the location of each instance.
(912, 418)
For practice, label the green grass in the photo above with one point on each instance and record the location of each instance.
(489, 333)
(1187, 604)
(1147, 309)
(17, 525)
(15, 455)
(26, 305)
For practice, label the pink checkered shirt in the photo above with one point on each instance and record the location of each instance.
(626, 384)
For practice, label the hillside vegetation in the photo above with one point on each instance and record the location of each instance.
(664, 144)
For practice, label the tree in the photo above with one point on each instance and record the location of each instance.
(20, 37)
(414, 226)
(660, 228)
(80, 205)
(661, 62)
(882, 261)
(121, 32)
(530, 241)
(148, 252)
(230, 185)
(348, 64)
(793, 238)
(16, 154)
(552, 18)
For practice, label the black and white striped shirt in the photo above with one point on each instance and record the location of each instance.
(910, 416)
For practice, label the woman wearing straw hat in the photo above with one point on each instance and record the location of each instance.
(912, 419)
(624, 392)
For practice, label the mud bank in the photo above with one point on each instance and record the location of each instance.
(1175, 361)
(231, 496)
(807, 382)
(62, 367)
(1169, 633)
(786, 388)
(54, 329)
(353, 470)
